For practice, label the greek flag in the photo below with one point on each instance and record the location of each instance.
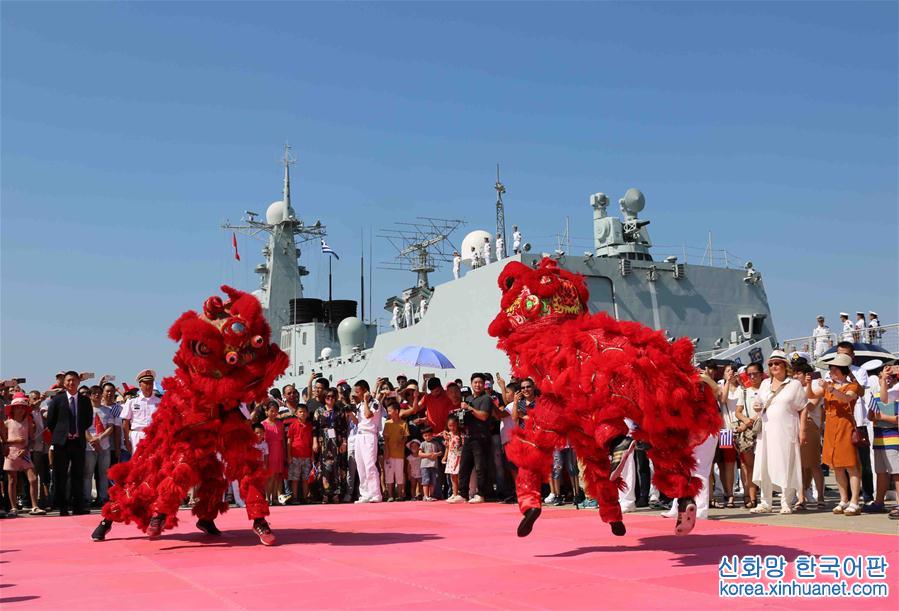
(327, 250)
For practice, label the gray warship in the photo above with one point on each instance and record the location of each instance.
(723, 311)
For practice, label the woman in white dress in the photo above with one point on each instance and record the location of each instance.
(780, 400)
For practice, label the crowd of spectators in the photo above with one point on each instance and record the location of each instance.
(400, 440)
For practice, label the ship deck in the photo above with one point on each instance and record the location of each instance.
(422, 555)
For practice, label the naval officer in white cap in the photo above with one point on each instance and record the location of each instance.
(860, 326)
(846, 335)
(821, 336)
(137, 413)
(874, 332)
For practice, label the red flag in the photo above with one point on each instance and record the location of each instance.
(234, 243)
(98, 425)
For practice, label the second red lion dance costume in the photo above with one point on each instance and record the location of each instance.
(199, 437)
(593, 372)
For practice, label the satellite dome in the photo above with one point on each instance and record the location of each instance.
(326, 353)
(476, 239)
(351, 334)
(276, 213)
(633, 201)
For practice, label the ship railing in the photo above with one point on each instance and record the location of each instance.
(887, 337)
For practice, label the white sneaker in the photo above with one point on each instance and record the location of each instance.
(476, 499)
(455, 499)
(785, 509)
(362, 500)
(283, 498)
(761, 508)
(550, 499)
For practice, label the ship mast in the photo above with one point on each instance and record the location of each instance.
(281, 231)
(500, 211)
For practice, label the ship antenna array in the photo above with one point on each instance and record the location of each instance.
(420, 246)
(251, 226)
(500, 211)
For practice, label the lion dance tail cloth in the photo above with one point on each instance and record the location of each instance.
(593, 372)
(199, 438)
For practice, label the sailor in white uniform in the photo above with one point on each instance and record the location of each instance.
(457, 264)
(516, 240)
(395, 319)
(860, 326)
(423, 309)
(137, 413)
(500, 244)
(487, 250)
(475, 258)
(821, 337)
(846, 335)
(407, 313)
(874, 332)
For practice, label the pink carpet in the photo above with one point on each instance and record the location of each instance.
(403, 555)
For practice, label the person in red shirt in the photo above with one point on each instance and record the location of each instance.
(436, 405)
(299, 439)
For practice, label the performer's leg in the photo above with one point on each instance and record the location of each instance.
(599, 486)
(531, 451)
(210, 489)
(243, 463)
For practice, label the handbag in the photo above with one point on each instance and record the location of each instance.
(859, 438)
(745, 441)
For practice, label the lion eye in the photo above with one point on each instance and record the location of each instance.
(200, 349)
(258, 341)
(509, 282)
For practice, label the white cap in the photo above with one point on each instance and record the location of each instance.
(846, 314)
(872, 312)
(859, 313)
(819, 317)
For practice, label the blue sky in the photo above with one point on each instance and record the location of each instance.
(131, 131)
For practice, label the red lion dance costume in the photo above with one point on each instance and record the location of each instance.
(593, 372)
(199, 437)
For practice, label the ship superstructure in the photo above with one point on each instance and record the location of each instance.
(719, 309)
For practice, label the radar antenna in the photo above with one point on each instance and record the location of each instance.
(420, 246)
(500, 211)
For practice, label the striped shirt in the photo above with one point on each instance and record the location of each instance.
(886, 434)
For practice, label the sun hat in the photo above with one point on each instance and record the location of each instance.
(778, 355)
(839, 360)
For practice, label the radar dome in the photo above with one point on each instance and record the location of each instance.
(476, 239)
(633, 201)
(276, 213)
(326, 353)
(351, 334)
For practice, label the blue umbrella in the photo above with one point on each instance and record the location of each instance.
(421, 356)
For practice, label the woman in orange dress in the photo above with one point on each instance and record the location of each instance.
(840, 394)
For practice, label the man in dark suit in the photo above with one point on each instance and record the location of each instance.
(69, 415)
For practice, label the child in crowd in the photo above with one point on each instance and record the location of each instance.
(452, 457)
(429, 453)
(299, 438)
(17, 433)
(414, 464)
(396, 431)
(274, 438)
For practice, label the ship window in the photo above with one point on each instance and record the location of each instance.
(744, 323)
(304, 338)
(757, 325)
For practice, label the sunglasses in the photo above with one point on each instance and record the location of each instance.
(526, 387)
(777, 364)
